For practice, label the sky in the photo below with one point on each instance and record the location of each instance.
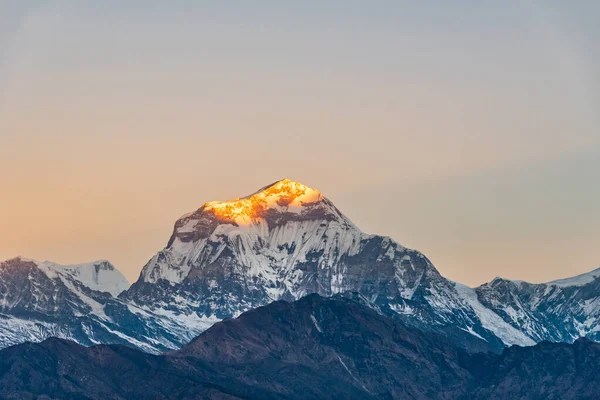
(467, 130)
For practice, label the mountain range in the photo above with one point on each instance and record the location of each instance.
(326, 348)
(283, 242)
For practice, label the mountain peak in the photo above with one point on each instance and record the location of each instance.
(284, 185)
(283, 196)
(21, 259)
(98, 275)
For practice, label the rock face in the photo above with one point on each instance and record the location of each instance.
(41, 300)
(313, 348)
(287, 240)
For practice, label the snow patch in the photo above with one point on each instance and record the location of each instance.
(314, 320)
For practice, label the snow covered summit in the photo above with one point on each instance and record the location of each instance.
(281, 197)
(277, 204)
(268, 232)
(99, 275)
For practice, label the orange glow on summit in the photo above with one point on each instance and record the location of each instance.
(284, 196)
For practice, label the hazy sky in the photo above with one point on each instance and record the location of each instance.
(468, 130)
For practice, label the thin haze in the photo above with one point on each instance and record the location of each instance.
(467, 130)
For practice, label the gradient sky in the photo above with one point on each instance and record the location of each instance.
(468, 131)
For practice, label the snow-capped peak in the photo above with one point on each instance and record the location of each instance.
(269, 232)
(278, 204)
(283, 196)
(99, 275)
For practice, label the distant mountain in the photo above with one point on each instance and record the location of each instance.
(43, 299)
(313, 348)
(558, 311)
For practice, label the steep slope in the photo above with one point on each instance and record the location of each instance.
(559, 311)
(40, 300)
(326, 348)
(285, 241)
